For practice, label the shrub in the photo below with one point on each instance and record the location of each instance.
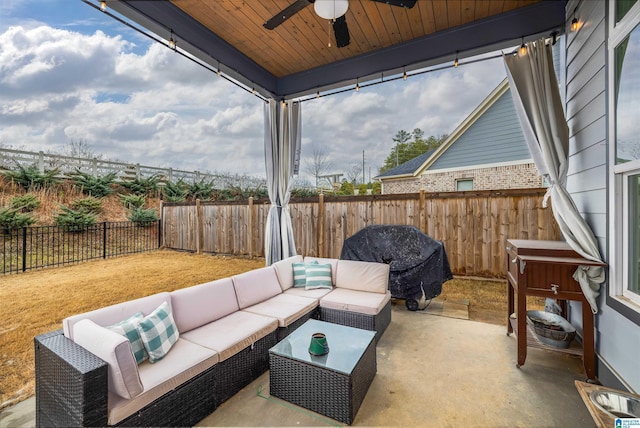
(201, 190)
(376, 188)
(11, 218)
(346, 188)
(25, 203)
(98, 187)
(303, 193)
(175, 192)
(89, 205)
(31, 178)
(132, 201)
(143, 216)
(142, 186)
(74, 220)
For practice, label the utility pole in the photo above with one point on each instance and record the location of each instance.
(363, 182)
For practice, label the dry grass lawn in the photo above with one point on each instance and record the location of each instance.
(36, 302)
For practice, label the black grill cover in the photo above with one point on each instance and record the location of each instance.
(418, 263)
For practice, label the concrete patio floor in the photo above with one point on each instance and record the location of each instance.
(433, 371)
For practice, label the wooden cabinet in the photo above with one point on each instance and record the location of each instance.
(545, 269)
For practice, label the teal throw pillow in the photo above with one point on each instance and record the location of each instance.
(159, 332)
(300, 274)
(127, 328)
(318, 276)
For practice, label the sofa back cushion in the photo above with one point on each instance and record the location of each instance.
(115, 350)
(284, 271)
(201, 304)
(362, 276)
(113, 314)
(256, 286)
(322, 260)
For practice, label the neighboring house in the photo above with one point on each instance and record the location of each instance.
(486, 151)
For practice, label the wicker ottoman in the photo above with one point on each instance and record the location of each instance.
(334, 384)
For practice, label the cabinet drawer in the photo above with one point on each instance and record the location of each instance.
(548, 277)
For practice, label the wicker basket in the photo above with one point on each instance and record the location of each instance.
(551, 329)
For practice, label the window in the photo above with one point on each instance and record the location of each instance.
(624, 138)
(464, 184)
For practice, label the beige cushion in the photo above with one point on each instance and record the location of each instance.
(362, 302)
(256, 286)
(185, 361)
(231, 334)
(115, 313)
(287, 308)
(313, 294)
(115, 350)
(322, 260)
(284, 271)
(362, 276)
(196, 306)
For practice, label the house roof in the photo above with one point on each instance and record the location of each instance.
(408, 167)
(419, 164)
(294, 59)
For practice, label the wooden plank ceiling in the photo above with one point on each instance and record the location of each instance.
(301, 42)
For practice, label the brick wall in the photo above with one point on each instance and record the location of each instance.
(494, 178)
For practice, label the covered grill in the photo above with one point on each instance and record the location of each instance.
(418, 263)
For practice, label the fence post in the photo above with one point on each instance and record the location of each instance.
(423, 214)
(104, 239)
(199, 228)
(41, 161)
(138, 175)
(320, 227)
(250, 227)
(24, 248)
(161, 226)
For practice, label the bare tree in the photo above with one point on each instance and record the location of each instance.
(80, 149)
(354, 173)
(318, 164)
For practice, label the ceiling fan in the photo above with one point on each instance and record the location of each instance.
(329, 9)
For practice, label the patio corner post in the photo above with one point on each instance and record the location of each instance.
(536, 97)
(282, 139)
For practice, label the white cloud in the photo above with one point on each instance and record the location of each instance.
(157, 108)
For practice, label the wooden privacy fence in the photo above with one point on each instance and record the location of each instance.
(473, 226)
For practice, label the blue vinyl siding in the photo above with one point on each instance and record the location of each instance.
(618, 339)
(495, 137)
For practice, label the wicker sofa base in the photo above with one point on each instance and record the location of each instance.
(377, 323)
(240, 370)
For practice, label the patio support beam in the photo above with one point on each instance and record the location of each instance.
(490, 34)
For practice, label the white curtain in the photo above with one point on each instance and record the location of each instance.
(536, 97)
(282, 138)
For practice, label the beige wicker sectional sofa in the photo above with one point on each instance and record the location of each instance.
(219, 334)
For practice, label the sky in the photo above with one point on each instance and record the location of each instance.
(71, 73)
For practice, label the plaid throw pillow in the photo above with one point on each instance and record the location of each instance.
(158, 332)
(127, 328)
(318, 276)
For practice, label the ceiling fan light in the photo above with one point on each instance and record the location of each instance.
(331, 9)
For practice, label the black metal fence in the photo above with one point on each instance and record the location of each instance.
(29, 248)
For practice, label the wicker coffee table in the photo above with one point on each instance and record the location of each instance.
(334, 384)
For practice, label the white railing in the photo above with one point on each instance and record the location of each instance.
(9, 158)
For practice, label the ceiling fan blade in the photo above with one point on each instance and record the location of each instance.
(402, 3)
(341, 31)
(287, 13)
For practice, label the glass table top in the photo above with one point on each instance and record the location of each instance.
(346, 345)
